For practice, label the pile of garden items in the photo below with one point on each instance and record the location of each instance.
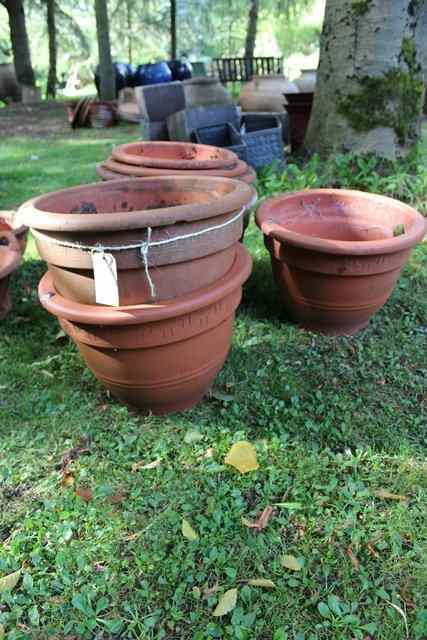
(145, 276)
(13, 239)
(91, 112)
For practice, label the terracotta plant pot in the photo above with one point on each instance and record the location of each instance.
(10, 257)
(334, 254)
(242, 172)
(299, 106)
(158, 358)
(174, 155)
(130, 170)
(204, 214)
(8, 222)
(265, 93)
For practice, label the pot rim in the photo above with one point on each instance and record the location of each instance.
(11, 252)
(271, 228)
(123, 169)
(238, 197)
(123, 153)
(146, 313)
(9, 217)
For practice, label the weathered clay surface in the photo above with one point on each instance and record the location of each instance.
(158, 358)
(174, 155)
(10, 257)
(335, 255)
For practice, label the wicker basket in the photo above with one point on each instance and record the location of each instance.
(262, 134)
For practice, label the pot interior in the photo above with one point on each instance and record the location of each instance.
(343, 217)
(172, 151)
(116, 197)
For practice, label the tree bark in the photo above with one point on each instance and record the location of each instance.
(106, 72)
(370, 88)
(251, 29)
(51, 31)
(173, 28)
(20, 45)
(129, 30)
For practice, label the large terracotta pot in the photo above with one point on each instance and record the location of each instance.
(8, 222)
(158, 358)
(334, 254)
(10, 257)
(299, 107)
(265, 93)
(201, 91)
(203, 214)
(174, 155)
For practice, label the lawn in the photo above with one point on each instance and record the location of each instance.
(93, 496)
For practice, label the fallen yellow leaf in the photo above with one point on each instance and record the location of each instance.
(242, 456)
(383, 493)
(261, 582)
(188, 531)
(9, 582)
(290, 562)
(226, 603)
(146, 465)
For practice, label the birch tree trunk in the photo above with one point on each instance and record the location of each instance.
(107, 89)
(251, 30)
(20, 45)
(51, 31)
(370, 83)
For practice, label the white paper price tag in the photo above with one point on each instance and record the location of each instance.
(105, 274)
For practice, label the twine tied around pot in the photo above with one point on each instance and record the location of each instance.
(143, 246)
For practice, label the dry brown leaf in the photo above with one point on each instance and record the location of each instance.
(67, 480)
(210, 591)
(383, 493)
(85, 493)
(372, 551)
(353, 559)
(262, 521)
(137, 466)
(73, 454)
(117, 498)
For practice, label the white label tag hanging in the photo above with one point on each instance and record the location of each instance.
(105, 274)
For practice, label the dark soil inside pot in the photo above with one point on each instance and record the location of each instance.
(125, 200)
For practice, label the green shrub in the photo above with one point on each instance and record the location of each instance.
(403, 180)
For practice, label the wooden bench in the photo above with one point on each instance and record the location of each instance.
(243, 69)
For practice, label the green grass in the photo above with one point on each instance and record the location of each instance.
(333, 420)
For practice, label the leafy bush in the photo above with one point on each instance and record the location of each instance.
(403, 180)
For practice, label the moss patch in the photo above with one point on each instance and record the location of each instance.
(360, 7)
(394, 100)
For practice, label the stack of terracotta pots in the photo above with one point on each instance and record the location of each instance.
(13, 240)
(145, 276)
(148, 159)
